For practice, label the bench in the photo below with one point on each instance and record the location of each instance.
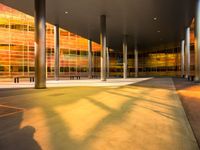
(72, 77)
(94, 76)
(191, 78)
(16, 79)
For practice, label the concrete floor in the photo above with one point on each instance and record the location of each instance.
(135, 114)
(71, 83)
(190, 97)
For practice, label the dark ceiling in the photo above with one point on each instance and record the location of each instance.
(124, 17)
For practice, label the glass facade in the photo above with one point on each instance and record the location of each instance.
(17, 47)
(74, 55)
(160, 62)
(163, 60)
(17, 52)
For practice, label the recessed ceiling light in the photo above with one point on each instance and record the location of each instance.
(154, 18)
(158, 31)
(66, 12)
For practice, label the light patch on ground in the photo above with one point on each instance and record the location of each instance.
(81, 117)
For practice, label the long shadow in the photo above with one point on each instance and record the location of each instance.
(115, 116)
(18, 91)
(181, 84)
(30, 100)
(101, 105)
(12, 137)
(159, 112)
(58, 129)
(150, 101)
(59, 132)
(153, 83)
(7, 92)
(143, 99)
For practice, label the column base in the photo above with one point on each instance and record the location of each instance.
(40, 87)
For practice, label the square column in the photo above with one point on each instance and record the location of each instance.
(90, 59)
(197, 42)
(57, 52)
(182, 58)
(40, 44)
(136, 62)
(187, 52)
(125, 65)
(103, 47)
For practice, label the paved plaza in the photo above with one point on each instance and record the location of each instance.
(131, 114)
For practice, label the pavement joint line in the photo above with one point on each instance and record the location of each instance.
(18, 110)
(9, 114)
(6, 106)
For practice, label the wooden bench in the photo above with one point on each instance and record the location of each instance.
(72, 77)
(94, 76)
(16, 79)
(191, 78)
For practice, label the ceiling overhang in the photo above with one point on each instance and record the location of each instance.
(135, 18)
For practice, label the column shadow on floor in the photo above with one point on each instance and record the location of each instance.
(59, 130)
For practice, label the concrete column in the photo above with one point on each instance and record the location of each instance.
(197, 42)
(103, 47)
(182, 57)
(125, 65)
(187, 52)
(40, 44)
(57, 51)
(90, 59)
(136, 62)
(107, 63)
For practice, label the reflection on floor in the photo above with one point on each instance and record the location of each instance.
(146, 114)
(189, 93)
(72, 83)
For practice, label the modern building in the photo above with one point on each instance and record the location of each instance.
(70, 54)
(121, 74)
